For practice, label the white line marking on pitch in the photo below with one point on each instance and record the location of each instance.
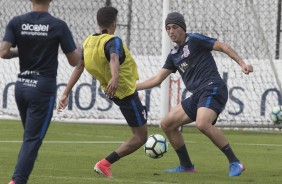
(245, 144)
(71, 142)
(96, 179)
(120, 142)
(269, 145)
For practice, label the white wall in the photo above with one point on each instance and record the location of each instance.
(245, 105)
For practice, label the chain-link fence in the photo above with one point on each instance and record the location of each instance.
(248, 26)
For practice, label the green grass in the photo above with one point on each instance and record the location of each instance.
(70, 150)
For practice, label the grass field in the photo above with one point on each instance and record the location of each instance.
(70, 150)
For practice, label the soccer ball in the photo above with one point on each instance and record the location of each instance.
(276, 114)
(156, 146)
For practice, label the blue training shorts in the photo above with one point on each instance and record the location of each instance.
(132, 109)
(213, 97)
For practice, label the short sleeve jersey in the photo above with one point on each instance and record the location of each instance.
(115, 45)
(195, 63)
(38, 36)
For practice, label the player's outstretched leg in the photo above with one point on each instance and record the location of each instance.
(236, 168)
(103, 167)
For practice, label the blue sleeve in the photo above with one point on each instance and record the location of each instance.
(10, 32)
(66, 41)
(169, 64)
(82, 54)
(115, 45)
(201, 41)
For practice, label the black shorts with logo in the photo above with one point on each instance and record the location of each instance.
(212, 96)
(132, 109)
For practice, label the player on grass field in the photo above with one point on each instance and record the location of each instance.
(192, 58)
(37, 36)
(110, 62)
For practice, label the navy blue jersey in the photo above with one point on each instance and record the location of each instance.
(194, 62)
(38, 36)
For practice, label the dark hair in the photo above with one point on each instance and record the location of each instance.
(106, 16)
(41, 1)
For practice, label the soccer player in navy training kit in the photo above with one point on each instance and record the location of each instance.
(36, 36)
(107, 59)
(192, 58)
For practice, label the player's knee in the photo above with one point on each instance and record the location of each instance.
(144, 138)
(201, 126)
(166, 126)
(163, 127)
(141, 138)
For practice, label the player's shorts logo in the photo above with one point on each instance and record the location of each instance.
(144, 114)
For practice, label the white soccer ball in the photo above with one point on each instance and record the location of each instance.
(156, 146)
(276, 114)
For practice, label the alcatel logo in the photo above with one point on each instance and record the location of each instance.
(35, 27)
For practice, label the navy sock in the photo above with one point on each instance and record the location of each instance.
(184, 157)
(227, 150)
(113, 157)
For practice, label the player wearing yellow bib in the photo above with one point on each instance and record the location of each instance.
(109, 61)
(97, 64)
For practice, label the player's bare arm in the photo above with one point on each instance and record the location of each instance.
(155, 80)
(74, 57)
(6, 51)
(113, 83)
(219, 46)
(73, 79)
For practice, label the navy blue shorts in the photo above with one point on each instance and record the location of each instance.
(35, 98)
(213, 97)
(132, 109)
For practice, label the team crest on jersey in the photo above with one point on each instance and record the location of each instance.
(186, 52)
